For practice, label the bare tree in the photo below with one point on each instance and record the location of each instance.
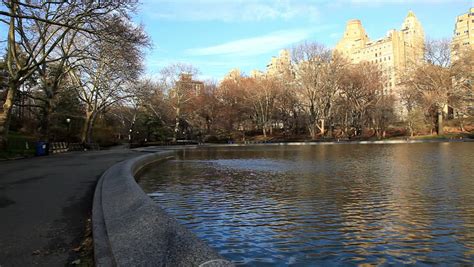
(106, 75)
(52, 77)
(151, 96)
(235, 113)
(289, 109)
(317, 75)
(261, 94)
(361, 93)
(437, 83)
(35, 30)
(178, 92)
(206, 107)
(438, 52)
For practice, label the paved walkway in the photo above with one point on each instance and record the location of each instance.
(45, 202)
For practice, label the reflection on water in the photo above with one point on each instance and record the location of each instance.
(325, 204)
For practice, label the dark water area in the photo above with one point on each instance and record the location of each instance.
(325, 204)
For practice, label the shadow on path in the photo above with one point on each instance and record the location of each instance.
(45, 203)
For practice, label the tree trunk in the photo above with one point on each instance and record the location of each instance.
(176, 125)
(296, 125)
(90, 129)
(208, 126)
(331, 129)
(312, 131)
(5, 115)
(440, 122)
(346, 130)
(84, 128)
(46, 120)
(461, 125)
(86, 135)
(322, 127)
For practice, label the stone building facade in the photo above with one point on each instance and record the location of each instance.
(397, 51)
(463, 41)
(463, 36)
(256, 74)
(187, 84)
(280, 65)
(232, 74)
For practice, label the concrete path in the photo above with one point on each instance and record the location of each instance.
(45, 202)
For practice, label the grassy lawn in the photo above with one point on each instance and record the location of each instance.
(19, 146)
(445, 136)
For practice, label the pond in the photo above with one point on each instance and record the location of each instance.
(324, 204)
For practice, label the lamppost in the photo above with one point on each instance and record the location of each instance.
(68, 121)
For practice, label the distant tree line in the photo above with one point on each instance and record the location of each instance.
(318, 95)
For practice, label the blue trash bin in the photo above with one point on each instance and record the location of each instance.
(41, 148)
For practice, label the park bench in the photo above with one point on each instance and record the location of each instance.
(58, 147)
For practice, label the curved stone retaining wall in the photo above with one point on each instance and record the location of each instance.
(129, 229)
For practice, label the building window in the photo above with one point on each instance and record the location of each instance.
(375, 54)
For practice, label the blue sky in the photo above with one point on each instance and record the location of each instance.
(216, 36)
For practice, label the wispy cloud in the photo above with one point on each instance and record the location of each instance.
(237, 10)
(255, 45)
(377, 2)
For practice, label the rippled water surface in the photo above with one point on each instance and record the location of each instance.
(325, 204)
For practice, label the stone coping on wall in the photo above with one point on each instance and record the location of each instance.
(129, 229)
